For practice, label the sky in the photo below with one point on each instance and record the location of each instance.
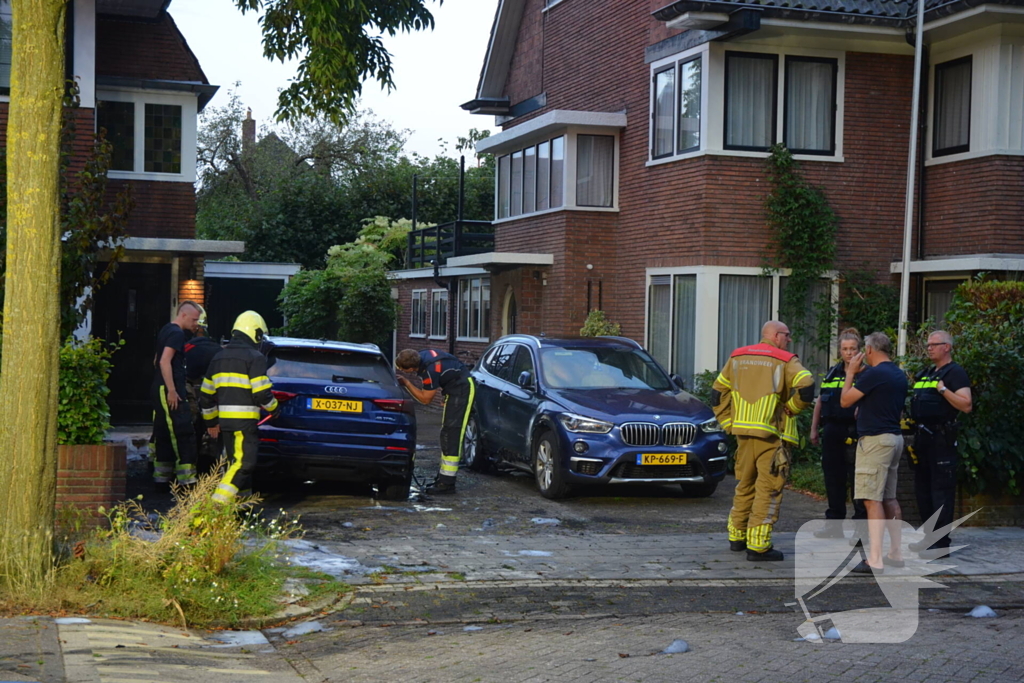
(434, 71)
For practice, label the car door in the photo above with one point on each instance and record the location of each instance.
(488, 389)
(517, 405)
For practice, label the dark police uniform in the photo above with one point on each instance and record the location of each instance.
(199, 351)
(936, 443)
(440, 370)
(173, 436)
(236, 386)
(838, 439)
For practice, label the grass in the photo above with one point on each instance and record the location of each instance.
(807, 476)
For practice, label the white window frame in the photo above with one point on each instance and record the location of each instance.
(420, 296)
(707, 306)
(713, 99)
(484, 313)
(140, 98)
(437, 295)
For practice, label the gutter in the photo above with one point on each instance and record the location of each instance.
(204, 91)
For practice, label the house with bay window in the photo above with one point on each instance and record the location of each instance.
(631, 161)
(140, 81)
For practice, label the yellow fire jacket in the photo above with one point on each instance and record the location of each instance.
(751, 391)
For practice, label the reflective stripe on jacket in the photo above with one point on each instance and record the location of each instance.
(236, 386)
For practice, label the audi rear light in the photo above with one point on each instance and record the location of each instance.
(283, 396)
(393, 405)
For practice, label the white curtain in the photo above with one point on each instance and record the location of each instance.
(952, 105)
(689, 105)
(664, 100)
(750, 97)
(517, 184)
(659, 331)
(530, 180)
(557, 171)
(543, 175)
(595, 164)
(503, 174)
(685, 327)
(809, 105)
(744, 305)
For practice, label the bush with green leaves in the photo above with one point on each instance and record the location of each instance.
(597, 324)
(83, 416)
(867, 304)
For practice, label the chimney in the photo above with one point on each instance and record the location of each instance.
(248, 132)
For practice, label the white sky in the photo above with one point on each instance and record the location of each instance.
(434, 71)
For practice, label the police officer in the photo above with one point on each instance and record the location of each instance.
(173, 435)
(440, 371)
(838, 438)
(236, 386)
(941, 393)
(199, 351)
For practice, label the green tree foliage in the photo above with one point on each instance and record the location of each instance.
(340, 46)
(597, 324)
(83, 416)
(867, 304)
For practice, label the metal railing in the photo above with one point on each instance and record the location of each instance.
(441, 242)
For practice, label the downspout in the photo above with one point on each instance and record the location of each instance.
(922, 139)
(451, 302)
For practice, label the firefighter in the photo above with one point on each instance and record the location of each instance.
(442, 372)
(236, 386)
(174, 443)
(199, 351)
(755, 397)
(941, 393)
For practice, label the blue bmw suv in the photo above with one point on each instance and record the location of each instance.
(343, 416)
(590, 410)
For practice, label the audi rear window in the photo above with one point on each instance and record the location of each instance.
(329, 366)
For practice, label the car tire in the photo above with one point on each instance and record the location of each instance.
(474, 456)
(703, 490)
(395, 490)
(547, 467)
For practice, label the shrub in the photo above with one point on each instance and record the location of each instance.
(83, 416)
(309, 302)
(867, 304)
(598, 325)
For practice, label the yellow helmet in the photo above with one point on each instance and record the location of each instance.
(250, 324)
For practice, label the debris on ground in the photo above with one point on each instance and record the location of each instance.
(238, 639)
(676, 647)
(473, 628)
(982, 612)
(550, 521)
(304, 628)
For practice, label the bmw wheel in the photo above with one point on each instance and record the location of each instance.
(473, 454)
(547, 467)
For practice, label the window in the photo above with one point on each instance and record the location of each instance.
(672, 322)
(750, 92)
(418, 319)
(744, 304)
(938, 297)
(813, 354)
(952, 124)
(810, 114)
(118, 119)
(499, 361)
(475, 308)
(689, 105)
(664, 112)
(439, 313)
(595, 170)
(530, 179)
(517, 184)
(677, 104)
(5, 47)
(504, 165)
(543, 176)
(523, 362)
(557, 171)
(163, 138)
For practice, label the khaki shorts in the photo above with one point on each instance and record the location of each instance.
(878, 459)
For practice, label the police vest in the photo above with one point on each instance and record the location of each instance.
(927, 405)
(831, 390)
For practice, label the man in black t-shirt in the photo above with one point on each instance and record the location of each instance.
(879, 394)
(173, 435)
(199, 351)
(941, 393)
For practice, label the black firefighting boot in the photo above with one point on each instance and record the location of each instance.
(442, 486)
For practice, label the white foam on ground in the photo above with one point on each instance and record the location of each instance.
(306, 554)
(238, 639)
(304, 628)
(72, 620)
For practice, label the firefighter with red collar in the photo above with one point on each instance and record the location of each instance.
(440, 371)
(756, 397)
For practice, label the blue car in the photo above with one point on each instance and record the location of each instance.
(591, 410)
(343, 417)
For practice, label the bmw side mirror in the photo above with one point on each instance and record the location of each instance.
(526, 379)
(678, 381)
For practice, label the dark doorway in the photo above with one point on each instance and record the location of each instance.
(134, 305)
(226, 297)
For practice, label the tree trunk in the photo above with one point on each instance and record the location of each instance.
(28, 377)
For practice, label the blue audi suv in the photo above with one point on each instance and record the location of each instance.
(343, 417)
(590, 410)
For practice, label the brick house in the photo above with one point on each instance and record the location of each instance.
(139, 80)
(631, 163)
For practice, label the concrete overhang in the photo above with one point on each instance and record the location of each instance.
(160, 245)
(497, 260)
(550, 122)
(249, 270)
(963, 264)
(443, 271)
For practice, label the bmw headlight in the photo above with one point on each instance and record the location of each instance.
(586, 425)
(711, 426)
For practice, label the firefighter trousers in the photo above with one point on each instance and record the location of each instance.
(758, 496)
(458, 402)
(935, 476)
(240, 449)
(174, 440)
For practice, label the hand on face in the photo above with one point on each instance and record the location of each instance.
(855, 363)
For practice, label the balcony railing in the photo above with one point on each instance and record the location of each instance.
(441, 242)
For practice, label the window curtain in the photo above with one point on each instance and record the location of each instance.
(685, 326)
(689, 105)
(595, 162)
(809, 105)
(939, 297)
(750, 98)
(659, 315)
(557, 171)
(530, 180)
(503, 176)
(664, 101)
(814, 355)
(543, 175)
(517, 184)
(953, 105)
(744, 305)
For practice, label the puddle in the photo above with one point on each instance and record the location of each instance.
(416, 507)
(303, 629)
(306, 554)
(238, 639)
(71, 620)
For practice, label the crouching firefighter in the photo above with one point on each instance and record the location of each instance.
(755, 397)
(236, 386)
(442, 372)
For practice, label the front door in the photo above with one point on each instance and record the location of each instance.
(133, 306)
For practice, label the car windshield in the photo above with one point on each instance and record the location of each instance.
(598, 368)
(329, 366)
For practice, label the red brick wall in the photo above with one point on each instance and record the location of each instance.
(91, 476)
(144, 49)
(162, 208)
(189, 288)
